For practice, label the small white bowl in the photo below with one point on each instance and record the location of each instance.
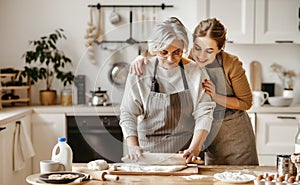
(280, 101)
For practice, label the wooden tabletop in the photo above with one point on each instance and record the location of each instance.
(204, 177)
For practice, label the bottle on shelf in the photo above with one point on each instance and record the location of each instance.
(297, 139)
(65, 154)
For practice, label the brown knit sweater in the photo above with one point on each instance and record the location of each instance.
(236, 77)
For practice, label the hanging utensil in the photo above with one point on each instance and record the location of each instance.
(114, 17)
(143, 24)
(154, 16)
(118, 74)
(99, 35)
(130, 40)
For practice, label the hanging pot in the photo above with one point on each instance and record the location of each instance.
(114, 17)
(118, 74)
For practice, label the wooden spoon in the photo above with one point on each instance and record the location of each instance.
(99, 35)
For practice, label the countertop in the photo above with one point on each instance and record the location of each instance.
(205, 177)
(271, 109)
(12, 113)
(7, 114)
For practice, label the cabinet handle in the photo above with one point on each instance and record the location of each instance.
(283, 41)
(229, 41)
(2, 128)
(286, 117)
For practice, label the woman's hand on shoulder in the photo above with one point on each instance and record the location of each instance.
(137, 65)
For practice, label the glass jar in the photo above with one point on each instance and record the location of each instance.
(66, 97)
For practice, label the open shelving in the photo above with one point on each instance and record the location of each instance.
(18, 93)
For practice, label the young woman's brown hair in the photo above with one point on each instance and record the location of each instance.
(212, 28)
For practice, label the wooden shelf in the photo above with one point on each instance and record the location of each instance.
(20, 100)
(14, 87)
(3, 75)
(11, 77)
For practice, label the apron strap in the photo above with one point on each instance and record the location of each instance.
(155, 84)
(185, 84)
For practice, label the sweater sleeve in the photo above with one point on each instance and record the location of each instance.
(131, 107)
(203, 113)
(236, 76)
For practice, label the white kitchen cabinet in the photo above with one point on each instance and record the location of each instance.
(3, 133)
(236, 15)
(255, 21)
(47, 128)
(275, 134)
(7, 174)
(277, 21)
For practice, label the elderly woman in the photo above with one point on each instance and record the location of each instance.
(231, 140)
(173, 113)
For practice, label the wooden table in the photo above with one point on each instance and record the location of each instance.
(204, 177)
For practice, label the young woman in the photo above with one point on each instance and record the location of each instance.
(163, 111)
(231, 140)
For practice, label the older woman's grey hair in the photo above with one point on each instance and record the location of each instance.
(165, 32)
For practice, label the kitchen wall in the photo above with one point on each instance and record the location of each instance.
(21, 21)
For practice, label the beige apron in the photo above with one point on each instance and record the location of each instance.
(231, 140)
(168, 124)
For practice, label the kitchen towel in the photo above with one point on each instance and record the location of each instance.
(23, 148)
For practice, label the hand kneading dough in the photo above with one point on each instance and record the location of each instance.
(153, 168)
(99, 164)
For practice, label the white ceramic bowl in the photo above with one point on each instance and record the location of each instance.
(280, 101)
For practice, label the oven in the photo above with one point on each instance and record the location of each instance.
(95, 137)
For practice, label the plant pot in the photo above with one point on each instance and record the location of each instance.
(48, 97)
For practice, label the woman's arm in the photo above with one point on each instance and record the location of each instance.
(134, 150)
(194, 149)
(235, 73)
(131, 107)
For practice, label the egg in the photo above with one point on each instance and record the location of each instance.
(292, 179)
(259, 177)
(280, 179)
(270, 178)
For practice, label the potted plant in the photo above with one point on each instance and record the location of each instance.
(46, 62)
(287, 77)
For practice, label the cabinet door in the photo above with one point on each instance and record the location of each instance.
(7, 153)
(277, 21)
(1, 158)
(46, 129)
(3, 133)
(236, 15)
(7, 147)
(276, 133)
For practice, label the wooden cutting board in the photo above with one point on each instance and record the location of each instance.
(191, 169)
(255, 76)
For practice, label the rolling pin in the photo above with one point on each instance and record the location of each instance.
(161, 159)
(102, 175)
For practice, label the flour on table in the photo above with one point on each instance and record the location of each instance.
(152, 168)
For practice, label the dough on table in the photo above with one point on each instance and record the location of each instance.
(99, 164)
